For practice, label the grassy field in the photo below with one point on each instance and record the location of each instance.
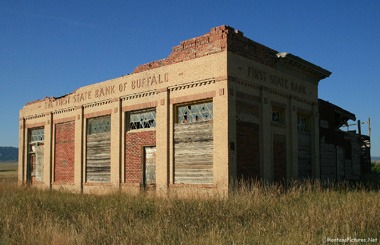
(303, 214)
(8, 172)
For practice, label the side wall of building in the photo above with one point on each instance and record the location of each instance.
(274, 117)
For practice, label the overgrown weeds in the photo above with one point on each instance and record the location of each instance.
(258, 214)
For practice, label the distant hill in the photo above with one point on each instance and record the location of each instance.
(376, 159)
(8, 154)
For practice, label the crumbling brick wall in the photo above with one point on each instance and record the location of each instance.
(219, 39)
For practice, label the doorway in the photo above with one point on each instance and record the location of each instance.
(149, 167)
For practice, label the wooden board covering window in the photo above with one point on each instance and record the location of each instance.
(279, 157)
(247, 151)
(304, 155)
(150, 166)
(98, 158)
(193, 153)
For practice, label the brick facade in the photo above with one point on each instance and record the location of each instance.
(64, 152)
(243, 79)
(134, 143)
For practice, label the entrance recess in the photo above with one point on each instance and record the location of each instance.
(149, 178)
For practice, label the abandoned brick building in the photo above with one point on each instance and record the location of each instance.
(218, 109)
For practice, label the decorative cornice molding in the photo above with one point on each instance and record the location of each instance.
(139, 95)
(35, 116)
(302, 66)
(63, 110)
(97, 103)
(191, 84)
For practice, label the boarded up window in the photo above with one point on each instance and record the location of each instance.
(36, 155)
(247, 138)
(193, 144)
(64, 152)
(140, 135)
(279, 157)
(328, 161)
(98, 161)
(248, 151)
(304, 148)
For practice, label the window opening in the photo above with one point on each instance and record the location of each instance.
(195, 113)
(142, 119)
(35, 167)
(99, 125)
(278, 116)
(302, 123)
(37, 135)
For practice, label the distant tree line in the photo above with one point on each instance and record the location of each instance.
(8, 153)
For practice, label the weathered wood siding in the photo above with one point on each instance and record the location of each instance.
(356, 158)
(247, 137)
(193, 153)
(279, 157)
(39, 163)
(340, 153)
(328, 162)
(247, 151)
(304, 155)
(150, 165)
(98, 157)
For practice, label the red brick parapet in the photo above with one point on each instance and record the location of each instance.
(219, 39)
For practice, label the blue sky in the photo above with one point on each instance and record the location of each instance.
(50, 48)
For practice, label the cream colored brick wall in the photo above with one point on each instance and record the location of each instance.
(177, 83)
(293, 92)
(217, 77)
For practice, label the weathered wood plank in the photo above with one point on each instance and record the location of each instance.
(150, 165)
(193, 153)
(98, 157)
(304, 155)
(39, 162)
(328, 161)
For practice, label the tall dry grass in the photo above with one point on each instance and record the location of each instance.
(301, 214)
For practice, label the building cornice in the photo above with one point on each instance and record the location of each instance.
(301, 66)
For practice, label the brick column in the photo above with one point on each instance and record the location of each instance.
(266, 166)
(232, 146)
(315, 152)
(221, 137)
(116, 136)
(48, 144)
(21, 153)
(79, 139)
(293, 164)
(162, 140)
